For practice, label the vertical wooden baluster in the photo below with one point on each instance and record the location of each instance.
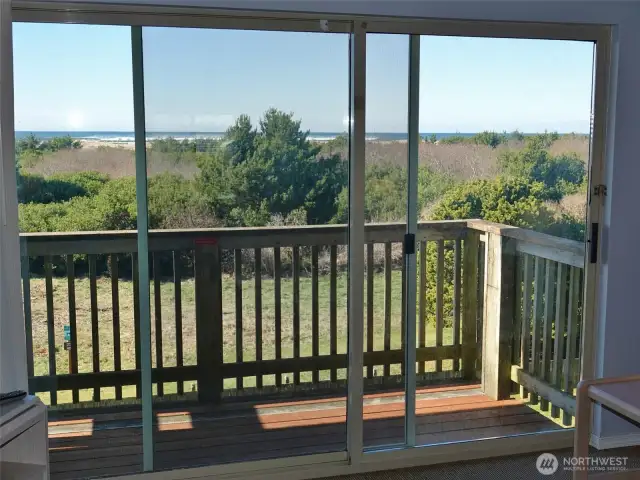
(558, 344)
(422, 310)
(115, 308)
(95, 326)
(370, 300)
(481, 281)
(469, 304)
(517, 307)
(296, 310)
(71, 300)
(572, 332)
(51, 333)
(239, 331)
(136, 317)
(333, 308)
(525, 338)
(157, 296)
(439, 300)
(277, 285)
(177, 293)
(457, 283)
(547, 334)
(258, 307)
(387, 304)
(28, 317)
(315, 327)
(538, 279)
(403, 306)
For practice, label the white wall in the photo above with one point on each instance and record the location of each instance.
(618, 321)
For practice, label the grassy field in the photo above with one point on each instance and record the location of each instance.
(83, 313)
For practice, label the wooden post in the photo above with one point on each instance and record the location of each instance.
(499, 312)
(208, 286)
(469, 301)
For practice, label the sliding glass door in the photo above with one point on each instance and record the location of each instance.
(385, 226)
(75, 168)
(500, 313)
(351, 237)
(247, 179)
(476, 179)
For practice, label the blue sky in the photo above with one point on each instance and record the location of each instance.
(78, 77)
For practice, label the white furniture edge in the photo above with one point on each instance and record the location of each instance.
(615, 441)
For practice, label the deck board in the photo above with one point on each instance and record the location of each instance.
(111, 443)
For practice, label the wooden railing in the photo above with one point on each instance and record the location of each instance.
(230, 341)
(538, 320)
(263, 310)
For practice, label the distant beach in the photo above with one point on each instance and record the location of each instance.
(126, 140)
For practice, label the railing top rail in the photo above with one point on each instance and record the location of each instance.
(61, 243)
(534, 243)
(554, 248)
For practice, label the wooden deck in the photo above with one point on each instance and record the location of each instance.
(111, 444)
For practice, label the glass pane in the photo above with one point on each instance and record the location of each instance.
(75, 166)
(506, 127)
(249, 311)
(385, 203)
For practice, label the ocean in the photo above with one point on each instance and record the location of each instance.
(126, 137)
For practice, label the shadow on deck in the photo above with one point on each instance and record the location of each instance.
(111, 443)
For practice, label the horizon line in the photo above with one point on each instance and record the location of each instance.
(457, 132)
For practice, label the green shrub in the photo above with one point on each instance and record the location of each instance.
(516, 135)
(90, 182)
(174, 202)
(61, 143)
(512, 201)
(453, 139)
(31, 143)
(560, 174)
(37, 189)
(270, 171)
(59, 187)
(40, 217)
(113, 208)
(116, 206)
(386, 193)
(183, 147)
(491, 139)
(432, 186)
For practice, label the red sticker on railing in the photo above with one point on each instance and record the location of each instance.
(206, 241)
